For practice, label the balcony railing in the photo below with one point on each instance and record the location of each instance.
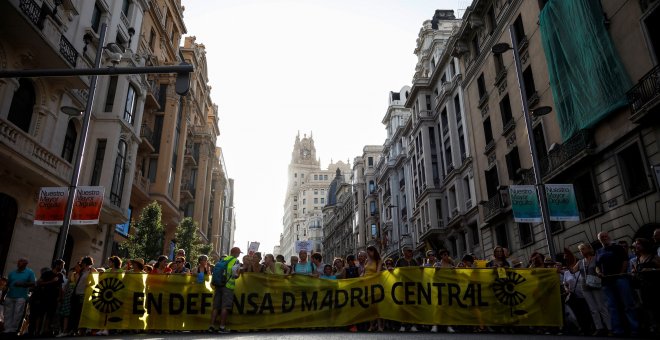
(23, 144)
(495, 205)
(32, 11)
(561, 158)
(644, 96)
(147, 134)
(37, 15)
(141, 182)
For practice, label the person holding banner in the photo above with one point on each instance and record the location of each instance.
(180, 266)
(272, 267)
(612, 267)
(303, 266)
(499, 260)
(373, 266)
(86, 268)
(162, 266)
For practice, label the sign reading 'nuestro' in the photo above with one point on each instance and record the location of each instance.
(51, 207)
(525, 203)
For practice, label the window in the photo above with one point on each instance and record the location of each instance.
(110, 96)
(475, 46)
(461, 144)
(428, 102)
(488, 131)
(69, 141)
(98, 162)
(124, 7)
(467, 188)
(499, 63)
(295, 207)
(586, 195)
(526, 235)
(481, 86)
(117, 187)
(153, 168)
(539, 140)
(492, 22)
(325, 177)
(131, 105)
(158, 131)
(474, 232)
(316, 191)
(528, 77)
(316, 200)
(322, 200)
(304, 201)
(316, 177)
(370, 161)
(162, 97)
(372, 187)
(445, 121)
(374, 230)
(519, 30)
(633, 173)
(22, 105)
(457, 108)
(96, 18)
(492, 182)
(302, 175)
(505, 110)
(152, 39)
(500, 236)
(190, 209)
(513, 164)
(372, 208)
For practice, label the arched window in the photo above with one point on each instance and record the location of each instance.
(69, 142)
(117, 187)
(372, 187)
(22, 105)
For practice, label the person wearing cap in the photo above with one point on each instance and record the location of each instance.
(180, 266)
(431, 260)
(223, 298)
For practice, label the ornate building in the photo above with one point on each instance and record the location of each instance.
(338, 220)
(366, 225)
(306, 195)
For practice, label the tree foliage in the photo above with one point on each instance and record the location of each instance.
(188, 239)
(147, 241)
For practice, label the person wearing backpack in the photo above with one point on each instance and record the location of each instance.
(223, 279)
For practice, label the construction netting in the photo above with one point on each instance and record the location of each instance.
(587, 77)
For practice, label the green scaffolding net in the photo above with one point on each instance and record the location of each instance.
(587, 77)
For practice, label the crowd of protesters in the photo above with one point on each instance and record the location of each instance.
(609, 292)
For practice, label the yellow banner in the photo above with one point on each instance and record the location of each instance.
(487, 297)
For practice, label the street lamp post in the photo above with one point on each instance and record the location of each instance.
(538, 179)
(64, 232)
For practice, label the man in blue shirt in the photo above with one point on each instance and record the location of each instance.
(19, 283)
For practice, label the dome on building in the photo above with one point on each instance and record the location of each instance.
(334, 187)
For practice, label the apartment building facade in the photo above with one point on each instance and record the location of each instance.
(339, 239)
(391, 175)
(366, 224)
(592, 139)
(39, 141)
(307, 194)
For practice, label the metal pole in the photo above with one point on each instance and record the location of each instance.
(181, 68)
(64, 232)
(538, 180)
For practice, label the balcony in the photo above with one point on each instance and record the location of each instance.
(23, 148)
(495, 205)
(147, 136)
(141, 183)
(48, 29)
(153, 95)
(189, 156)
(187, 191)
(483, 100)
(489, 146)
(644, 97)
(508, 126)
(566, 155)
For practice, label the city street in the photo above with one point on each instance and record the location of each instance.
(333, 336)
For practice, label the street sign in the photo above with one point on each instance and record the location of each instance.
(52, 205)
(525, 204)
(562, 204)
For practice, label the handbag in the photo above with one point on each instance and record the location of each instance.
(592, 281)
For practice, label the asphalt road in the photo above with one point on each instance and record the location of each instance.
(305, 335)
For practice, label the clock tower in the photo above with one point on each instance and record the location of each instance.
(304, 151)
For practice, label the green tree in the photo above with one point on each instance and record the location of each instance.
(147, 241)
(188, 239)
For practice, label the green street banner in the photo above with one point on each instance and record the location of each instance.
(479, 297)
(525, 203)
(562, 204)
